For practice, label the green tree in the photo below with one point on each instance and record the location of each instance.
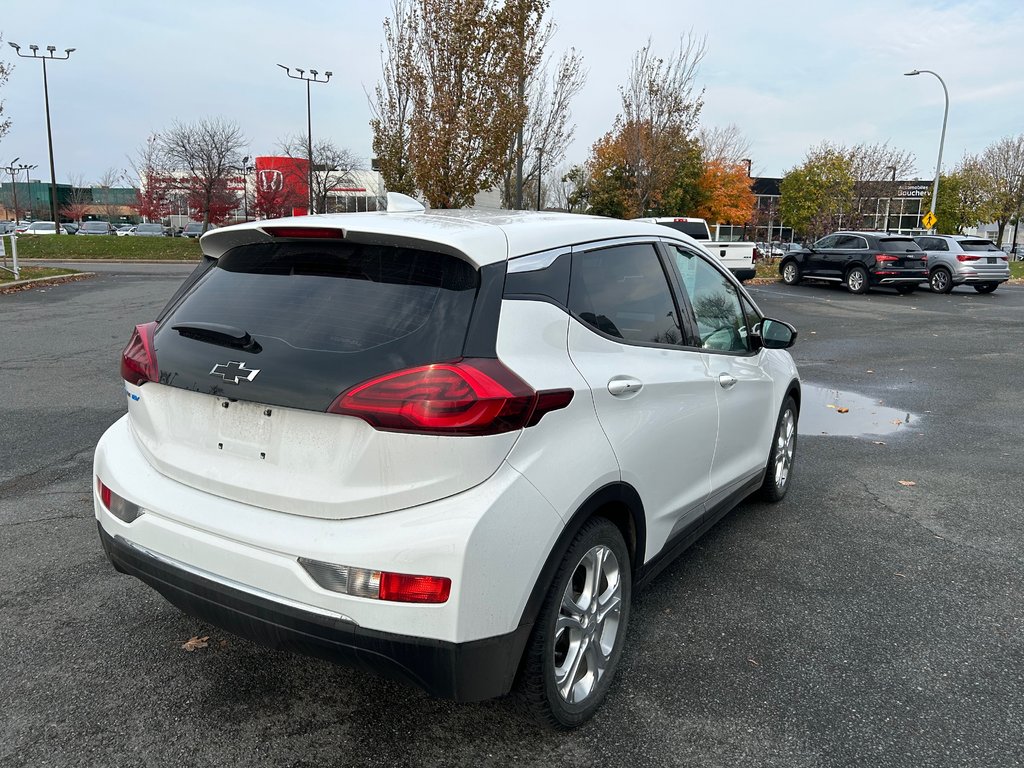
(817, 194)
(965, 197)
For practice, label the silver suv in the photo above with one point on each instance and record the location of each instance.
(962, 260)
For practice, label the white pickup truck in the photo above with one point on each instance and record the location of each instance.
(737, 256)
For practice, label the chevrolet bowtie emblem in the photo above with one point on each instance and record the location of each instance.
(234, 372)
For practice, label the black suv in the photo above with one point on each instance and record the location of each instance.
(859, 260)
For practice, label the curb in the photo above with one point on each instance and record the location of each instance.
(20, 285)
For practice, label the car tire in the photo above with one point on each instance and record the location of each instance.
(575, 645)
(903, 290)
(940, 280)
(790, 272)
(986, 287)
(857, 280)
(782, 455)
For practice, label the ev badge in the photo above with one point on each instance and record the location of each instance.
(234, 372)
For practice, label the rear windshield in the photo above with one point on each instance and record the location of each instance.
(149, 228)
(979, 245)
(95, 225)
(698, 230)
(898, 245)
(325, 316)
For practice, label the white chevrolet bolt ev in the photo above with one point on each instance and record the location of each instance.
(442, 445)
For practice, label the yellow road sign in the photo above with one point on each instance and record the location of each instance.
(929, 220)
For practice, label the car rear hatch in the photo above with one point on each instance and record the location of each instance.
(985, 257)
(901, 256)
(250, 360)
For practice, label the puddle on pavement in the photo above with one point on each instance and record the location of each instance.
(830, 411)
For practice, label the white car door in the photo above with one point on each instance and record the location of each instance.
(744, 388)
(655, 399)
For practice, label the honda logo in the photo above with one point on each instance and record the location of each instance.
(270, 180)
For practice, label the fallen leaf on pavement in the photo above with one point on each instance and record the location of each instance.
(901, 575)
(843, 410)
(195, 642)
(870, 371)
(897, 422)
(754, 662)
(907, 483)
(877, 442)
(830, 406)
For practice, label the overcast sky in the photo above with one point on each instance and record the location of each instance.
(789, 74)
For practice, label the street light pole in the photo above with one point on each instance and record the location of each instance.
(245, 186)
(313, 77)
(942, 137)
(49, 133)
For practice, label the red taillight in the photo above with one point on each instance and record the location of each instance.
(886, 257)
(105, 493)
(967, 257)
(138, 361)
(477, 396)
(403, 588)
(309, 232)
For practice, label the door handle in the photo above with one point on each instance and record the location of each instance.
(620, 387)
(726, 381)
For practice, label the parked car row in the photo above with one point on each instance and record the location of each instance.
(152, 229)
(863, 260)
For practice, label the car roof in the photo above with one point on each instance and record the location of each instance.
(871, 233)
(485, 237)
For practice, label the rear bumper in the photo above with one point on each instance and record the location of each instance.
(470, 671)
(976, 278)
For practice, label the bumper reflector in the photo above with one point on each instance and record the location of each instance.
(378, 585)
(118, 506)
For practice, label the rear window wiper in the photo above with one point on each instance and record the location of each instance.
(222, 335)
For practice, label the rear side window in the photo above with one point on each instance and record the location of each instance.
(622, 291)
(979, 245)
(897, 245)
(339, 298)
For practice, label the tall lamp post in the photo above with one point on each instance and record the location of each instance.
(942, 137)
(888, 201)
(540, 174)
(50, 49)
(313, 77)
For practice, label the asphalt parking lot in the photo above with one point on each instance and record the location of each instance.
(862, 622)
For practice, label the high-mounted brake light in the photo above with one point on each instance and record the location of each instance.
(138, 361)
(306, 232)
(473, 396)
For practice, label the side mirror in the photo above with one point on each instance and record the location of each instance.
(776, 334)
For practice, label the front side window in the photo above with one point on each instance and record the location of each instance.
(622, 292)
(827, 242)
(716, 302)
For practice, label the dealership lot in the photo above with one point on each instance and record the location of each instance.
(860, 622)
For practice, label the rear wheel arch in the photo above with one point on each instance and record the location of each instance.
(616, 502)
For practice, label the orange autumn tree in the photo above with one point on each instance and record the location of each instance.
(727, 196)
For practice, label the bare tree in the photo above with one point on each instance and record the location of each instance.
(104, 196)
(5, 73)
(332, 166)
(392, 102)
(546, 131)
(725, 145)
(660, 109)
(875, 169)
(1003, 163)
(203, 155)
(78, 199)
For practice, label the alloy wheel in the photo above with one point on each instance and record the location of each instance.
(587, 624)
(785, 447)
